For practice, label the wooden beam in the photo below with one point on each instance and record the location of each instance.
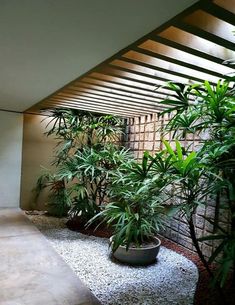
(107, 101)
(106, 96)
(220, 12)
(183, 58)
(117, 92)
(104, 84)
(205, 35)
(188, 48)
(167, 66)
(106, 105)
(203, 45)
(52, 104)
(153, 71)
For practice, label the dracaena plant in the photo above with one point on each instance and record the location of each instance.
(208, 111)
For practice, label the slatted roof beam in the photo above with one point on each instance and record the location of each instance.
(86, 101)
(108, 101)
(204, 34)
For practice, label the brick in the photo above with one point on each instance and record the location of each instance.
(132, 137)
(174, 224)
(158, 136)
(199, 222)
(149, 118)
(148, 146)
(224, 215)
(174, 235)
(210, 212)
(150, 137)
(141, 145)
(209, 227)
(184, 229)
(201, 210)
(151, 127)
(186, 242)
(206, 250)
(136, 145)
(199, 233)
(137, 137)
(142, 119)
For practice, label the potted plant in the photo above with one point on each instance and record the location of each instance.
(136, 212)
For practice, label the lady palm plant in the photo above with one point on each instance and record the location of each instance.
(211, 113)
(89, 172)
(74, 129)
(137, 194)
(84, 159)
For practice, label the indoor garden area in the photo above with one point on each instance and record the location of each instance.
(118, 177)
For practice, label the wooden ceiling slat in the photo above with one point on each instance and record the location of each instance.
(228, 5)
(185, 68)
(177, 35)
(190, 50)
(113, 80)
(87, 81)
(168, 66)
(102, 94)
(186, 58)
(108, 101)
(220, 11)
(124, 73)
(114, 76)
(118, 92)
(205, 35)
(147, 70)
(211, 24)
(87, 103)
(91, 109)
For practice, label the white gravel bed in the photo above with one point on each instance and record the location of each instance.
(170, 281)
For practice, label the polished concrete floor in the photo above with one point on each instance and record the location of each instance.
(31, 272)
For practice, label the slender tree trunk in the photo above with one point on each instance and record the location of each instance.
(196, 245)
(203, 260)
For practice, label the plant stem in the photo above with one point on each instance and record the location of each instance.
(196, 245)
(202, 258)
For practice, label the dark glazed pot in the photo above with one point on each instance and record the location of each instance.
(138, 256)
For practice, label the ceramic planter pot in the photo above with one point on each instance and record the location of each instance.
(138, 256)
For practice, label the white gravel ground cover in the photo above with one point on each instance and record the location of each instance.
(170, 281)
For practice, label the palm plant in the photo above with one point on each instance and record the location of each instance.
(213, 113)
(84, 159)
(90, 171)
(136, 211)
(58, 202)
(192, 182)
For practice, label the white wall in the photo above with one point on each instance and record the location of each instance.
(11, 133)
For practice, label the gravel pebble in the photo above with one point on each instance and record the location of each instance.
(170, 281)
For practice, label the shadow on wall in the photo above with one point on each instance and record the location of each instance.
(37, 152)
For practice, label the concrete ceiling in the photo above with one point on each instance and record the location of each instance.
(47, 43)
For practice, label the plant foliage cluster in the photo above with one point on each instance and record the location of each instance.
(85, 156)
(209, 112)
(98, 180)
